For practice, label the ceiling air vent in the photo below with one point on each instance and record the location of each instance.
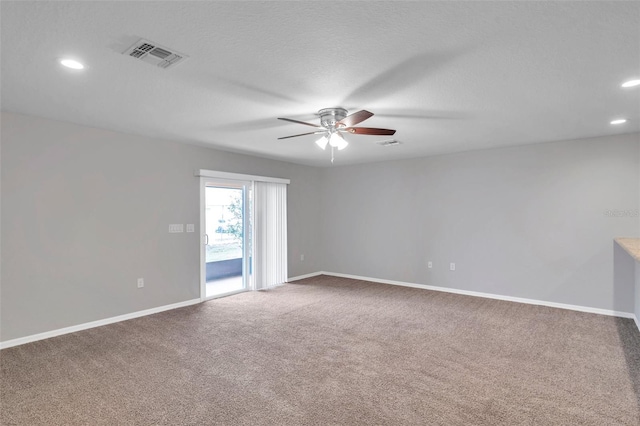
(154, 54)
(391, 142)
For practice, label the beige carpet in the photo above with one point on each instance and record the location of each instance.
(332, 351)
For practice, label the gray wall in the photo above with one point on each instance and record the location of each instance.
(525, 221)
(85, 212)
(624, 275)
(637, 293)
(637, 289)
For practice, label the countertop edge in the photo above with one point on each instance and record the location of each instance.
(630, 245)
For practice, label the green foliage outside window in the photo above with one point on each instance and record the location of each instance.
(234, 225)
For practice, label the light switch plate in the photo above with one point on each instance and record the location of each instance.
(176, 228)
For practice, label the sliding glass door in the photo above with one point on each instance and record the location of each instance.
(243, 220)
(226, 241)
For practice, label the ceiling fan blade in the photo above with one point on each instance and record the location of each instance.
(369, 131)
(303, 134)
(299, 122)
(355, 118)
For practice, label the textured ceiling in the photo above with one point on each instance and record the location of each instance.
(449, 76)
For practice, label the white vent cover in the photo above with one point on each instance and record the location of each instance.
(391, 142)
(154, 54)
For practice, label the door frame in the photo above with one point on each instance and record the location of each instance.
(246, 187)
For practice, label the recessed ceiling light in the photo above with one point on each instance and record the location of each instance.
(631, 83)
(619, 121)
(70, 63)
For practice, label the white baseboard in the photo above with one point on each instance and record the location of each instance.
(301, 277)
(490, 296)
(92, 324)
(85, 326)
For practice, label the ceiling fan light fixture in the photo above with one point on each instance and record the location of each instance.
(337, 141)
(322, 142)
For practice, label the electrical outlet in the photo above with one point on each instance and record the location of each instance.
(302, 258)
(452, 266)
(140, 282)
(429, 264)
(191, 227)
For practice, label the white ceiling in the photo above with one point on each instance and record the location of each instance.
(449, 76)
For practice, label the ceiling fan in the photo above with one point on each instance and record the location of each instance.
(334, 122)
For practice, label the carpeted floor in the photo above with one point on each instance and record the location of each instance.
(332, 351)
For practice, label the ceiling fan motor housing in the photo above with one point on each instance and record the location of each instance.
(330, 116)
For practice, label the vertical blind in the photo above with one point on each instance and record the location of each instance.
(270, 235)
